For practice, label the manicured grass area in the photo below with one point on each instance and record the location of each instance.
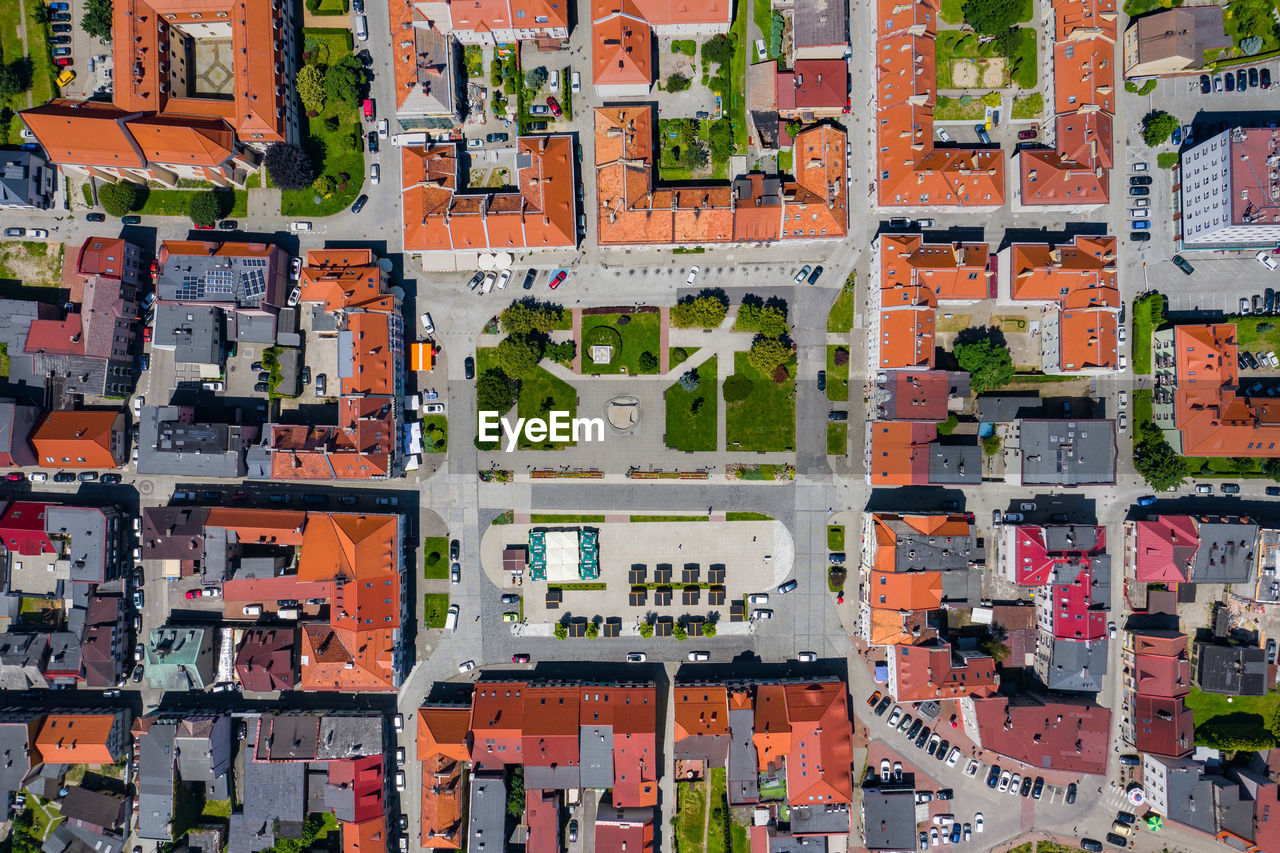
(690, 810)
(435, 606)
(1148, 315)
(330, 157)
(1257, 331)
(1028, 106)
(677, 356)
(835, 537)
(1206, 706)
(785, 161)
(644, 518)
(951, 109)
(747, 516)
(216, 809)
(435, 558)
(837, 439)
(840, 317)
(952, 11)
(557, 518)
(178, 203)
(435, 434)
(718, 824)
(766, 420)
(639, 334)
(44, 74)
(1024, 70)
(837, 375)
(540, 392)
(689, 428)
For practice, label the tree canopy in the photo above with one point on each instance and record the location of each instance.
(310, 85)
(707, 310)
(991, 17)
(1157, 127)
(205, 207)
(1155, 460)
(121, 197)
(518, 355)
(96, 19)
(289, 166)
(767, 354)
(529, 315)
(989, 364)
(344, 80)
(495, 391)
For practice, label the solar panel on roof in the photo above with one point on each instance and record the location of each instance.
(220, 281)
(255, 284)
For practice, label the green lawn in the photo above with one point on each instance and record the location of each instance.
(564, 518)
(766, 420)
(435, 434)
(677, 356)
(330, 157)
(435, 606)
(747, 516)
(735, 104)
(690, 810)
(1148, 315)
(681, 518)
(952, 11)
(1257, 17)
(1248, 332)
(44, 74)
(435, 558)
(216, 809)
(951, 109)
(540, 392)
(835, 537)
(640, 334)
(1028, 106)
(687, 430)
(178, 203)
(837, 376)
(785, 161)
(840, 317)
(1025, 71)
(718, 825)
(1206, 706)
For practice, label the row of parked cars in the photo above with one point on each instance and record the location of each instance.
(486, 282)
(1242, 80)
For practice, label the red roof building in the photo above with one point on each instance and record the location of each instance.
(1030, 554)
(22, 529)
(442, 749)
(1042, 734)
(1074, 616)
(265, 660)
(1158, 677)
(814, 88)
(1163, 726)
(624, 32)
(1165, 549)
(918, 673)
(81, 439)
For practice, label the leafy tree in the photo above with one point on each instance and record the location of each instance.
(344, 80)
(96, 20)
(1271, 468)
(999, 651)
(991, 445)
(1155, 460)
(495, 391)
(678, 82)
(680, 633)
(737, 388)
(721, 140)
(518, 355)
(717, 50)
(707, 310)
(310, 84)
(766, 354)
(689, 380)
(535, 78)
(989, 364)
(324, 185)
(646, 629)
(515, 791)
(794, 128)
(709, 630)
(289, 166)
(1157, 127)
(205, 207)
(352, 141)
(695, 156)
(991, 17)
(42, 14)
(561, 353)
(121, 197)
(647, 362)
(561, 631)
(1167, 159)
(593, 630)
(840, 357)
(529, 315)
(15, 78)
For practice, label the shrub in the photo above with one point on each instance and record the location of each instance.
(766, 354)
(121, 197)
(593, 630)
(707, 310)
(840, 357)
(561, 631)
(205, 207)
(709, 630)
(680, 633)
(737, 388)
(689, 381)
(535, 78)
(1251, 45)
(1157, 127)
(678, 83)
(309, 82)
(561, 353)
(836, 576)
(647, 362)
(324, 185)
(289, 166)
(991, 99)
(646, 629)
(529, 315)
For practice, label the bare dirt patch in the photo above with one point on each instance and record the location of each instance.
(32, 263)
(964, 73)
(993, 76)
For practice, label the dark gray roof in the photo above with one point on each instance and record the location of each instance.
(193, 332)
(273, 790)
(486, 824)
(173, 532)
(293, 736)
(15, 323)
(16, 422)
(15, 760)
(955, 463)
(88, 539)
(204, 748)
(99, 808)
(889, 818)
(1071, 538)
(1007, 408)
(1233, 670)
(785, 842)
(340, 799)
(65, 662)
(167, 445)
(927, 552)
(22, 655)
(743, 779)
(1076, 666)
(1190, 797)
(595, 750)
(254, 327)
(26, 181)
(555, 778)
(1227, 551)
(155, 781)
(227, 279)
(354, 736)
(828, 819)
(819, 23)
(1068, 452)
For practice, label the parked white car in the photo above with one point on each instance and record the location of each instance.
(503, 278)
(1266, 260)
(374, 174)
(427, 325)
(575, 82)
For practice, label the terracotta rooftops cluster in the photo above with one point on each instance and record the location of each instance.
(1212, 412)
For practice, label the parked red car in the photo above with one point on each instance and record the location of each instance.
(204, 227)
(1028, 134)
(194, 593)
(554, 106)
(559, 279)
(146, 334)
(519, 658)
(16, 477)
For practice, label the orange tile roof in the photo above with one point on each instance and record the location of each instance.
(912, 171)
(906, 337)
(900, 452)
(76, 739)
(539, 214)
(369, 836)
(347, 661)
(1088, 339)
(442, 792)
(345, 278)
(933, 672)
(488, 15)
(497, 720)
(701, 711)
(1212, 415)
(905, 590)
(886, 536)
(189, 140)
(88, 133)
(1079, 274)
(632, 209)
(273, 526)
(75, 435)
(807, 727)
(894, 627)
(621, 47)
(443, 731)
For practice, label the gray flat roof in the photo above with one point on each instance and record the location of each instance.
(193, 332)
(1068, 452)
(889, 818)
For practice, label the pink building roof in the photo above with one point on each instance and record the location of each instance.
(22, 529)
(1166, 547)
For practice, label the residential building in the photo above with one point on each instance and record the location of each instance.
(906, 453)
(1065, 452)
(179, 658)
(1172, 41)
(920, 395)
(442, 749)
(504, 22)
(18, 756)
(1205, 410)
(1032, 554)
(103, 641)
(83, 738)
(429, 83)
(444, 215)
(266, 661)
(820, 30)
(912, 170)
(1069, 665)
(486, 811)
(1157, 678)
(27, 181)
(96, 806)
(813, 89)
(1075, 171)
(1041, 732)
(1231, 670)
(889, 819)
(200, 89)
(702, 723)
(1229, 803)
(939, 671)
(634, 209)
(81, 439)
(1229, 197)
(171, 441)
(624, 828)
(1173, 549)
(351, 290)
(17, 421)
(624, 39)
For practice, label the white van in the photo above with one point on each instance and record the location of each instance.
(451, 620)
(362, 28)
(253, 610)
(299, 225)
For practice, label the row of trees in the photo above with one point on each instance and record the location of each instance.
(342, 81)
(205, 207)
